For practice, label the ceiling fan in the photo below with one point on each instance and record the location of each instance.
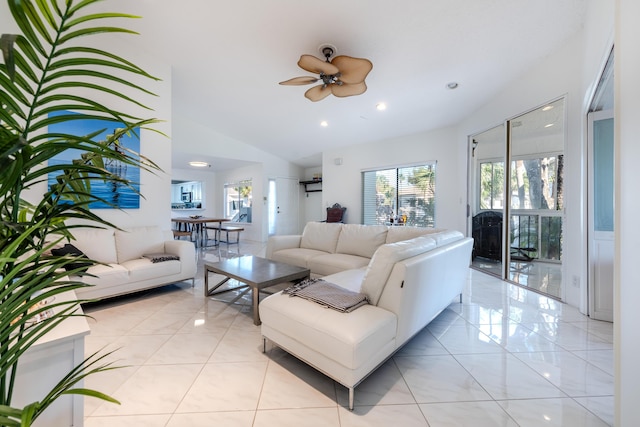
(341, 76)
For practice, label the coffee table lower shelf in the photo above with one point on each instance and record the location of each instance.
(255, 272)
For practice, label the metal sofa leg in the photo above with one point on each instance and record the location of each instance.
(351, 392)
(264, 345)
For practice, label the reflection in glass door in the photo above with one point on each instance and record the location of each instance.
(536, 167)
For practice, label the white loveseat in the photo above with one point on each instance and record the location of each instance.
(124, 270)
(407, 283)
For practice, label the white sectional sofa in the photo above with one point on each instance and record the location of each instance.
(125, 270)
(408, 281)
(327, 248)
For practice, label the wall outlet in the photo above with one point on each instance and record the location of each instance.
(575, 281)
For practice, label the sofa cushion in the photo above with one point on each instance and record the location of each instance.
(320, 236)
(296, 256)
(361, 240)
(385, 258)
(96, 243)
(349, 339)
(348, 279)
(326, 264)
(135, 242)
(106, 275)
(143, 269)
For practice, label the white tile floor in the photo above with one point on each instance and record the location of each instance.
(545, 277)
(504, 357)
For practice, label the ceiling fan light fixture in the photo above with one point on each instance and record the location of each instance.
(199, 164)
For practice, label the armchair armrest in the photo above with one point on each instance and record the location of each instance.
(276, 243)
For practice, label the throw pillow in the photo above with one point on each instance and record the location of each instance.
(69, 249)
(161, 257)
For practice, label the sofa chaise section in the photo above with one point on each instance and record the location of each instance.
(407, 282)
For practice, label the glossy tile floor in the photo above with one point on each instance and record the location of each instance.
(504, 357)
(543, 276)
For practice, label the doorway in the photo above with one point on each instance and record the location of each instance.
(600, 213)
(283, 205)
(600, 184)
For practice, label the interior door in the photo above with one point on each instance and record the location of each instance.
(283, 212)
(601, 214)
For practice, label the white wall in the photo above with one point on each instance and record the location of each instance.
(155, 206)
(627, 231)
(311, 205)
(343, 183)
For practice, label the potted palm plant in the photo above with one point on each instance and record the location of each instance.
(48, 71)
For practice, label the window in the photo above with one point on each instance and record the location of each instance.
(238, 201)
(491, 185)
(536, 183)
(400, 193)
(536, 201)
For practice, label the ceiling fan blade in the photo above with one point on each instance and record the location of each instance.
(299, 81)
(314, 65)
(318, 93)
(344, 90)
(352, 70)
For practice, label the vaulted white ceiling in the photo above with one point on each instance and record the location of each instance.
(227, 58)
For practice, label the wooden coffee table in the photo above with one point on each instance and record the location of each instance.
(253, 271)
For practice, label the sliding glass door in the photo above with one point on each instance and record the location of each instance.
(536, 168)
(517, 198)
(488, 169)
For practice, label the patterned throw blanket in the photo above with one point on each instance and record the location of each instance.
(327, 294)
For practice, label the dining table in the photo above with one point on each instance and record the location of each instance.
(197, 224)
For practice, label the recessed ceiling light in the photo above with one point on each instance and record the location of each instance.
(548, 125)
(452, 85)
(547, 107)
(381, 106)
(199, 164)
(324, 123)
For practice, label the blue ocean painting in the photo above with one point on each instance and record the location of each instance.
(118, 195)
